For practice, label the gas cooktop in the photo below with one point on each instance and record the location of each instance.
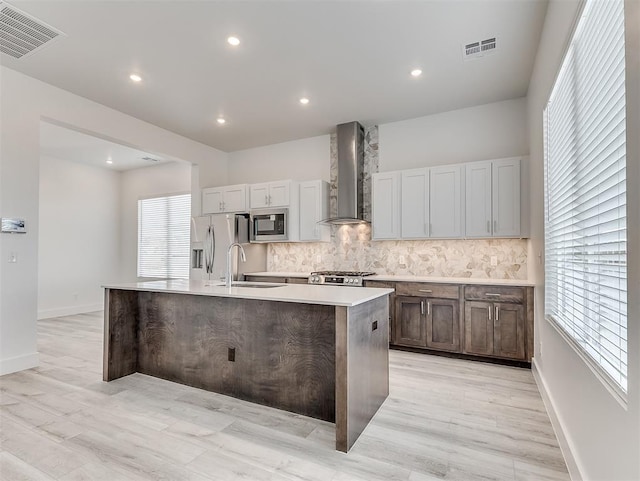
(341, 278)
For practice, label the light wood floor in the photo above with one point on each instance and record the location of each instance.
(444, 419)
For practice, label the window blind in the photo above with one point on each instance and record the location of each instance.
(585, 193)
(163, 236)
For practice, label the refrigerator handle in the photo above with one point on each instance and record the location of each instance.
(205, 251)
(213, 248)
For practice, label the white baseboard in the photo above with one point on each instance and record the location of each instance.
(20, 363)
(565, 445)
(68, 311)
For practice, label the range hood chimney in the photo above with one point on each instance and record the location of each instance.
(350, 175)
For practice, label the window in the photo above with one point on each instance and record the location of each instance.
(585, 189)
(163, 236)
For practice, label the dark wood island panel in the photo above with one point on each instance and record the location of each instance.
(327, 362)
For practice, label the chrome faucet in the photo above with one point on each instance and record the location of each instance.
(229, 278)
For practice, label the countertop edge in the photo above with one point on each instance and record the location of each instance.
(401, 278)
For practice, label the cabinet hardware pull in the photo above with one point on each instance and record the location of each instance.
(491, 294)
(220, 205)
(489, 226)
(489, 312)
(425, 290)
(497, 312)
(269, 199)
(428, 308)
(266, 200)
(422, 308)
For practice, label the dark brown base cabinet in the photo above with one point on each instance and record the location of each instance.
(425, 322)
(476, 320)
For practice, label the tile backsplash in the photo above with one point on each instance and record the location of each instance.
(351, 249)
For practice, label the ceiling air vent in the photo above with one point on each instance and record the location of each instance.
(150, 159)
(479, 48)
(21, 34)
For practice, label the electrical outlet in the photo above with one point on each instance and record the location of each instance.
(13, 257)
(401, 261)
(318, 259)
(276, 258)
(494, 260)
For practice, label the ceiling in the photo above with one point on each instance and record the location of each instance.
(350, 58)
(66, 144)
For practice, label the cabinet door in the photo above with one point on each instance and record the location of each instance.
(506, 197)
(445, 201)
(235, 198)
(385, 218)
(478, 199)
(410, 329)
(311, 211)
(414, 204)
(508, 332)
(259, 196)
(212, 201)
(443, 324)
(279, 194)
(478, 328)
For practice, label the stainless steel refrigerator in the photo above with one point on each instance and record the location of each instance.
(211, 236)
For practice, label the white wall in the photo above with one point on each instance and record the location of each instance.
(78, 238)
(163, 179)
(490, 131)
(306, 159)
(24, 102)
(599, 437)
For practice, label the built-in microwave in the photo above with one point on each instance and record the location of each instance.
(269, 225)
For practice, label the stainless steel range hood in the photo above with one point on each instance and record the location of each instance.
(350, 175)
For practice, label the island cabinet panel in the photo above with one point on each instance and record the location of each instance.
(120, 354)
(362, 367)
(277, 354)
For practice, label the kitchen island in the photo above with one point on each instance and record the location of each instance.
(319, 351)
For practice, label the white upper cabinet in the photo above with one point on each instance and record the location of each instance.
(314, 207)
(414, 210)
(230, 198)
(445, 194)
(506, 197)
(271, 194)
(493, 199)
(385, 200)
(478, 199)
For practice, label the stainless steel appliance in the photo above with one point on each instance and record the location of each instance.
(350, 189)
(211, 236)
(269, 225)
(339, 278)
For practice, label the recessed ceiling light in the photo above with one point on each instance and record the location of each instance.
(221, 121)
(416, 72)
(235, 41)
(304, 100)
(135, 77)
(109, 161)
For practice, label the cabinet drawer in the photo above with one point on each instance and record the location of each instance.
(494, 293)
(420, 289)
(380, 284)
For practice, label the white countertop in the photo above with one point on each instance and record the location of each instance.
(300, 293)
(408, 278)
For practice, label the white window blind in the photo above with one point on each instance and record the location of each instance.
(585, 189)
(163, 236)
